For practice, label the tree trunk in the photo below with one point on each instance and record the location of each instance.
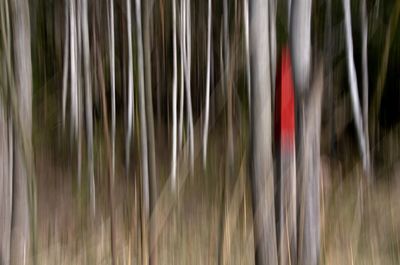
(355, 100)
(20, 234)
(6, 183)
(150, 122)
(309, 181)
(261, 170)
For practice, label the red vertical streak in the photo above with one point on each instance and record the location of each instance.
(284, 103)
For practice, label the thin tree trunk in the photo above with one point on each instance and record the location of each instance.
(229, 89)
(261, 172)
(88, 94)
(74, 66)
(131, 94)
(273, 44)
(21, 233)
(187, 67)
(246, 36)
(182, 76)
(143, 140)
(364, 37)
(65, 66)
(6, 182)
(112, 74)
(6, 139)
(150, 122)
(174, 98)
(355, 100)
(207, 105)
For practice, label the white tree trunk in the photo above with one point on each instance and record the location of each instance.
(131, 94)
(6, 183)
(88, 96)
(142, 111)
(112, 73)
(261, 156)
(355, 100)
(65, 66)
(174, 98)
(20, 242)
(207, 105)
(364, 51)
(187, 65)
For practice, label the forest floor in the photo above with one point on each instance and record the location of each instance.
(359, 224)
(355, 229)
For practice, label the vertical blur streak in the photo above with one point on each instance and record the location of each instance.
(328, 70)
(20, 234)
(74, 70)
(152, 166)
(88, 94)
(112, 73)
(131, 94)
(309, 193)
(300, 42)
(286, 179)
(65, 66)
(6, 139)
(246, 37)
(174, 98)
(143, 135)
(108, 153)
(261, 172)
(364, 51)
(207, 106)
(353, 82)
(308, 123)
(6, 182)
(187, 65)
(380, 83)
(182, 75)
(229, 88)
(272, 32)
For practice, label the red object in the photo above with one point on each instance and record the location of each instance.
(284, 102)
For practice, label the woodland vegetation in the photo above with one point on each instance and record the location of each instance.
(199, 132)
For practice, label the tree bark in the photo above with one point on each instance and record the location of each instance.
(150, 121)
(20, 234)
(355, 100)
(261, 171)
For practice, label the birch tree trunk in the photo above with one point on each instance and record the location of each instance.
(20, 234)
(148, 6)
(6, 139)
(207, 104)
(261, 171)
(309, 102)
(174, 98)
(355, 100)
(131, 94)
(6, 183)
(364, 51)
(309, 185)
(247, 47)
(88, 103)
(187, 66)
(143, 139)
